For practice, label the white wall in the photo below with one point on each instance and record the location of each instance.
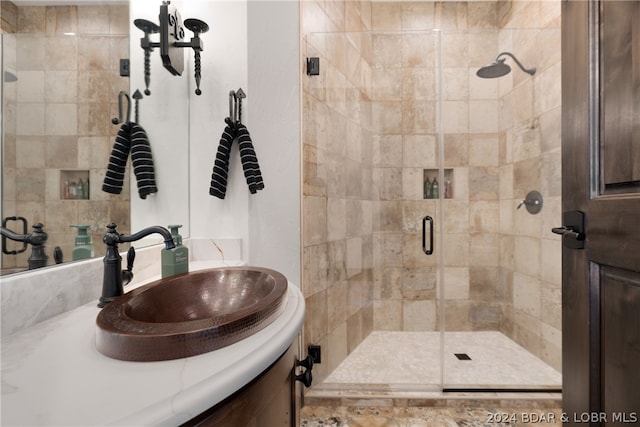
(253, 45)
(274, 122)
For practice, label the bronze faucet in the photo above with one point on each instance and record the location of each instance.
(114, 277)
(36, 239)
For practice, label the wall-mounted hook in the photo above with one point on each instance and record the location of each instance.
(137, 96)
(241, 95)
(120, 118)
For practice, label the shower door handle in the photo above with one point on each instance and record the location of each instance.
(424, 235)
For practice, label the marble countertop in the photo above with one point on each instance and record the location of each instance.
(52, 373)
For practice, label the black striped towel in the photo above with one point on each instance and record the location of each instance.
(248, 158)
(132, 139)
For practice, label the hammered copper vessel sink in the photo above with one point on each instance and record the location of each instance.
(190, 314)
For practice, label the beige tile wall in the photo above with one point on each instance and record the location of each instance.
(58, 116)
(338, 180)
(501, 139)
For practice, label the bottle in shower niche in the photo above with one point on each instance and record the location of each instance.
(448, 190)
(80, 189)
(427, 188)
(435, 189)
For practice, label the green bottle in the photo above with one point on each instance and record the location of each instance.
(427, 188)
(435, 189)
(84, 247)
(175, 261)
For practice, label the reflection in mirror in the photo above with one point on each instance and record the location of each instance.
(59, 93)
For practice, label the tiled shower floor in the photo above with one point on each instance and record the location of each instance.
(410, 360)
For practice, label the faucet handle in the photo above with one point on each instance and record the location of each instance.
(127, 275)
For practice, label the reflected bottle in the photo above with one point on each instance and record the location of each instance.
(435, 190)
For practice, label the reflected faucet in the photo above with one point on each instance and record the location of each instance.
(115, 278)
(36, 239)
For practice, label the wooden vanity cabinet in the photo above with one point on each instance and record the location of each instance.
(270, 400)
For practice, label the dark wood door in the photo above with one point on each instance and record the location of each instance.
(601, 180)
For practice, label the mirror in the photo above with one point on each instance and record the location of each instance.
(61, 68)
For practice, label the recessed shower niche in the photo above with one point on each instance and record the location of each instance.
(432, 187)
(74, 185)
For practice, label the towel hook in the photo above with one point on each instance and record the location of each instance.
(119, 119)
(231, 120)
(241, 95)
(137, 96)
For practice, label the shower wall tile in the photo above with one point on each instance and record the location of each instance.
(456, 117)
(94, 19)
(412, 183)
(29, 152)
(456, 84)
(451, 16)
(482, 15)
(31, 86)
(61, 152)
(385, 17)
(30, 119)
(419, 315)
(387, 315)
(60, 86)
(31, 54)
(64, 19)
(61, 53)
(483, 116)
(418, 15)
(457, 280)
(385, 150)
(31, 19)
(61, 119)
(484, 216)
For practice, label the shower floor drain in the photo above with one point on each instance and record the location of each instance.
(462, 356)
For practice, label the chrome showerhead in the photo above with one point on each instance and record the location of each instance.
(498, 68)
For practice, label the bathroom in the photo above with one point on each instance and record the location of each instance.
(344, 155)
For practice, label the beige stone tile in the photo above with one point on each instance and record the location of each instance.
(484, 183)
(316, 271)
(388, 250)
(456, 283)
(456, 218)
(551, 253)
(388, 283)
(93, 119)
(507, 244)
(412, 183)
(387, 50)
(29, 152)
(527, 294)
(419, 315)
(387, 150)
(483, 116)
(386, 16)
(354, 256)
(387, 315)
(507, 212)
(30, 52)
(419, 151)
(456, 84)
(456, 250)
(482, 15)
(551, 346)
(31, 19)
(30, 119)
(387, 84)
(456, 150)
(388, 181)
(60, 86)
(451, 16)
(484, 216)
(337, 307)
(418, 117)
(61, 151)
(457, 48)
(419, 283)
(551, 306)
(413, 254)
(61, 119)
(93, 19)
(315, 223)
(456, 116)
(387, 118)
(419, 84)
(483, 150)
(527, 255)
(31, 86)
(484, 249)
(61, 53)
(61, 19)
(418, 50)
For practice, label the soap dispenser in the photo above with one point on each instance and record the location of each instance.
(176, 260)
(83, 248)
